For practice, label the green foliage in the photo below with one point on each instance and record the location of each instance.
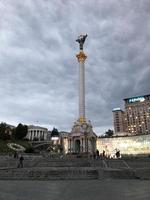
(29, 149)
(109, 133)
(20, 131)
(4, 149)
(13, 133)
(55, 132)
(4, 131)
(23, 143)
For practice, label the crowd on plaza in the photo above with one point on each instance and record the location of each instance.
(114, 155)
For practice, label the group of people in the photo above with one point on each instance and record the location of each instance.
(21, 159)
(97, 155)
(115, 154)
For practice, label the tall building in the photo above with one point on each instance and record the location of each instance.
(137, 114)
(118, 116)
(135, 119)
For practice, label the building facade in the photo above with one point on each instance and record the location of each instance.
(137, 114)
(135, 119)
(37, 133)
(119, 124)
(128, 145)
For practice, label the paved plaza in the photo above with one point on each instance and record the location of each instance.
(75, 190)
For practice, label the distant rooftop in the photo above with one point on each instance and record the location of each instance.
(136, 97)
(117, 109)
(36, 127)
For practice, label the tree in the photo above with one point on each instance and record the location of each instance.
(21, 131)
(29, 150)
(109, 133)
(4, 131)
(54, 132)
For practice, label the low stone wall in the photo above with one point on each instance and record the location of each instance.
(126, 144)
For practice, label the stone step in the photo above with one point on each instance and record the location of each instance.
(45, 163)
(48, 174)
(119, 174)
(72, 173)
(63, 164)
(138, 164)
(116, 164)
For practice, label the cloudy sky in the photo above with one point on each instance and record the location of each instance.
(39, 70)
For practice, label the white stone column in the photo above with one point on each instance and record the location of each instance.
(81, 59)
(70, 144)
(84, 145)
(81, 90)
(73, 145)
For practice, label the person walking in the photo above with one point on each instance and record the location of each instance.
(16, 155)
(103, 154)
(97, 154)
(21, 159)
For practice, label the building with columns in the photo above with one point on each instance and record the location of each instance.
(37, 133)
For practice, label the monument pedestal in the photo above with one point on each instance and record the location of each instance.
(82, 139)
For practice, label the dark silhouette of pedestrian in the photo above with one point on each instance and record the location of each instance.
(103, 154)
(97, 154)
(16, 155)
(118, 154)
(21, 159)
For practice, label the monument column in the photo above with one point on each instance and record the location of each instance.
(82, 128)
(81, 59)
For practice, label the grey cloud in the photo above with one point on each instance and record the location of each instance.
(39, 70)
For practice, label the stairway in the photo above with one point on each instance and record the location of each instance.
(48, 173)
(39, 168)
(116, 164)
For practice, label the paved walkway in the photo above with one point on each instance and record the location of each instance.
(75, 190)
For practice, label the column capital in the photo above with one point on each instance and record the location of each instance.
(81, 56)
(82, 120)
